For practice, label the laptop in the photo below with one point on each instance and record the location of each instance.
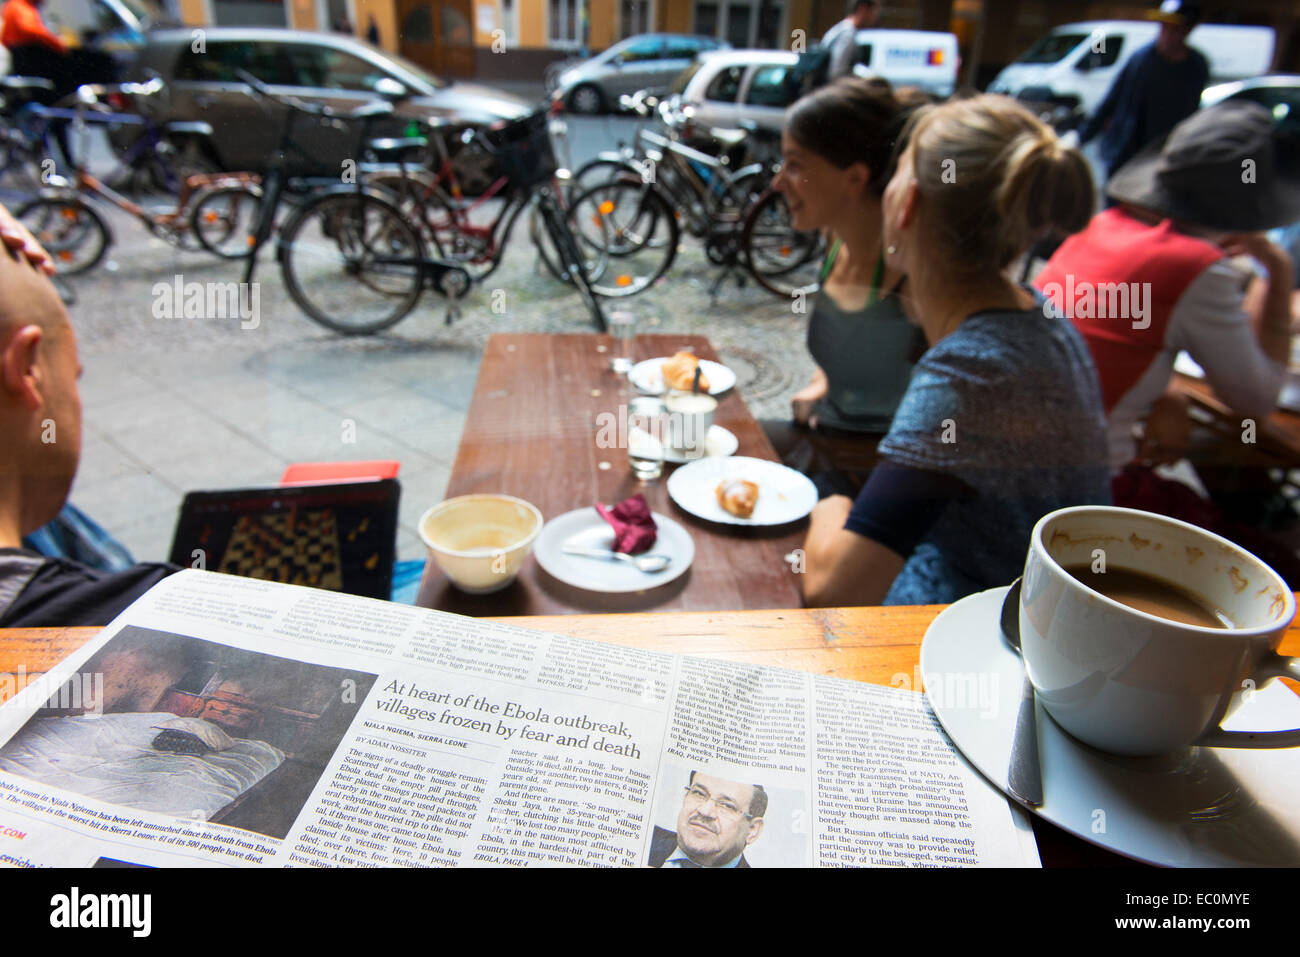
(341, 537)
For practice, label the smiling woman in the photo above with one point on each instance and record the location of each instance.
(837, 147)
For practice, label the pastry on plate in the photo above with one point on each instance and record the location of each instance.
(738, 496)
(679, 372)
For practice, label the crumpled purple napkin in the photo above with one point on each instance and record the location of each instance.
(634, 528)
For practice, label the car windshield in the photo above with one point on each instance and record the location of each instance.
(419, 72)
(1051, 48)
(149, 14)
(683, 78)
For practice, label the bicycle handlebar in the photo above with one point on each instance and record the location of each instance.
(284, 99)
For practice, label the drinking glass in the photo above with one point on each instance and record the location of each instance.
(622, 326)
(645, 442)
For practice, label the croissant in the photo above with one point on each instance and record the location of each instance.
(679, 372)
(738, 496)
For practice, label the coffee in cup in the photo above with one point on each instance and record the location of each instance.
(690, 416)
(1106, 640)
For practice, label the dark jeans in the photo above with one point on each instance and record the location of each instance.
(838, 462)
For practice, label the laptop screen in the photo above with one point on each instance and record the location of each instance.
(341, 537)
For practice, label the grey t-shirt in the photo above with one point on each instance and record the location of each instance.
(1009, 404)
(841, 42)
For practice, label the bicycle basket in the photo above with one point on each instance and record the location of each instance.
(523, 149)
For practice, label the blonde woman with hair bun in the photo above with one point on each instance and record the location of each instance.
(1002, 420)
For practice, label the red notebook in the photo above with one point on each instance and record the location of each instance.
(308, 473)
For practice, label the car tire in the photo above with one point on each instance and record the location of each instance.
(587, 98)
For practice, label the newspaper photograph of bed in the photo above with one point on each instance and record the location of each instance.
(192, 729)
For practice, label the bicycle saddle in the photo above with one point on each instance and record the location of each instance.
(392, 148)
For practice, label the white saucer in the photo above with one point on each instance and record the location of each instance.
(648, 376)
(1203, 807)
(585, 528)
(719, 443)
(784, 495)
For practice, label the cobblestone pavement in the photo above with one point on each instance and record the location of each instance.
(173, 405)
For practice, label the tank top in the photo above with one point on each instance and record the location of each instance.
(867, 355)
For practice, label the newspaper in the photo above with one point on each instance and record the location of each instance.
(226, 721)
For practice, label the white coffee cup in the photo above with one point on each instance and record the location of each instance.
(1135, 683)
(690, 416)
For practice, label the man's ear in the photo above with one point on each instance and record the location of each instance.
(20, 380)
(755, 829)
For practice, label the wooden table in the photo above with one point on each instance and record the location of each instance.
(1277, 438)
(880, 645)
(531, 432)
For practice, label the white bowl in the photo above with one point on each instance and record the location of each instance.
(480, 541)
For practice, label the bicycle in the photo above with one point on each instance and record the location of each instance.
(65, 222)
(354, 260)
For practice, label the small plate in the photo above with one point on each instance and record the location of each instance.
(585, 528)
(1201, 807)
(648, 376)
(719, 443)
(784, 495)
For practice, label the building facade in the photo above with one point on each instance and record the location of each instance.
(516, 39)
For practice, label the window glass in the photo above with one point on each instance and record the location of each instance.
(563, 20)
(642, 50)
(418, 26)
(455, 27)
(769, 88)
(706, 19)
(681, 48)
(726, 85)
(1104, 57)
(1052, 48)
(1283, 102)
(685, 77)
(222, 61)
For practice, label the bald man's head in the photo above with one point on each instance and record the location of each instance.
(29, 298)
(40, 408)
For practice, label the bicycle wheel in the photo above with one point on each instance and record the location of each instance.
(20, 166)
(72, 232)
(223, 219)
(627, 233)
(352, 262)
(781, 258)
(566, 248)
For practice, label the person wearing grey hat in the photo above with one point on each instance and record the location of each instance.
(1221, 179)
(1160, 86)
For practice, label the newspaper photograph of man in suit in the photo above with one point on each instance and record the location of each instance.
(718, 820)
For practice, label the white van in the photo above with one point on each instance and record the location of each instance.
(1075, 64)
(921, 58)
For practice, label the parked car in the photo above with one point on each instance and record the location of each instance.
(1074, 65)
(1278, 92)
(732, 85)
(921, 58)
(325, 69)
(647, 61)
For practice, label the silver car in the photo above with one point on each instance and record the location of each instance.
(647, 61)
(322, 68)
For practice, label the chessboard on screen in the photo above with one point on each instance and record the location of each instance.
(340, 537)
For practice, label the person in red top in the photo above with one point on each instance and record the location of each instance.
(21, 25)
(1152, 276)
